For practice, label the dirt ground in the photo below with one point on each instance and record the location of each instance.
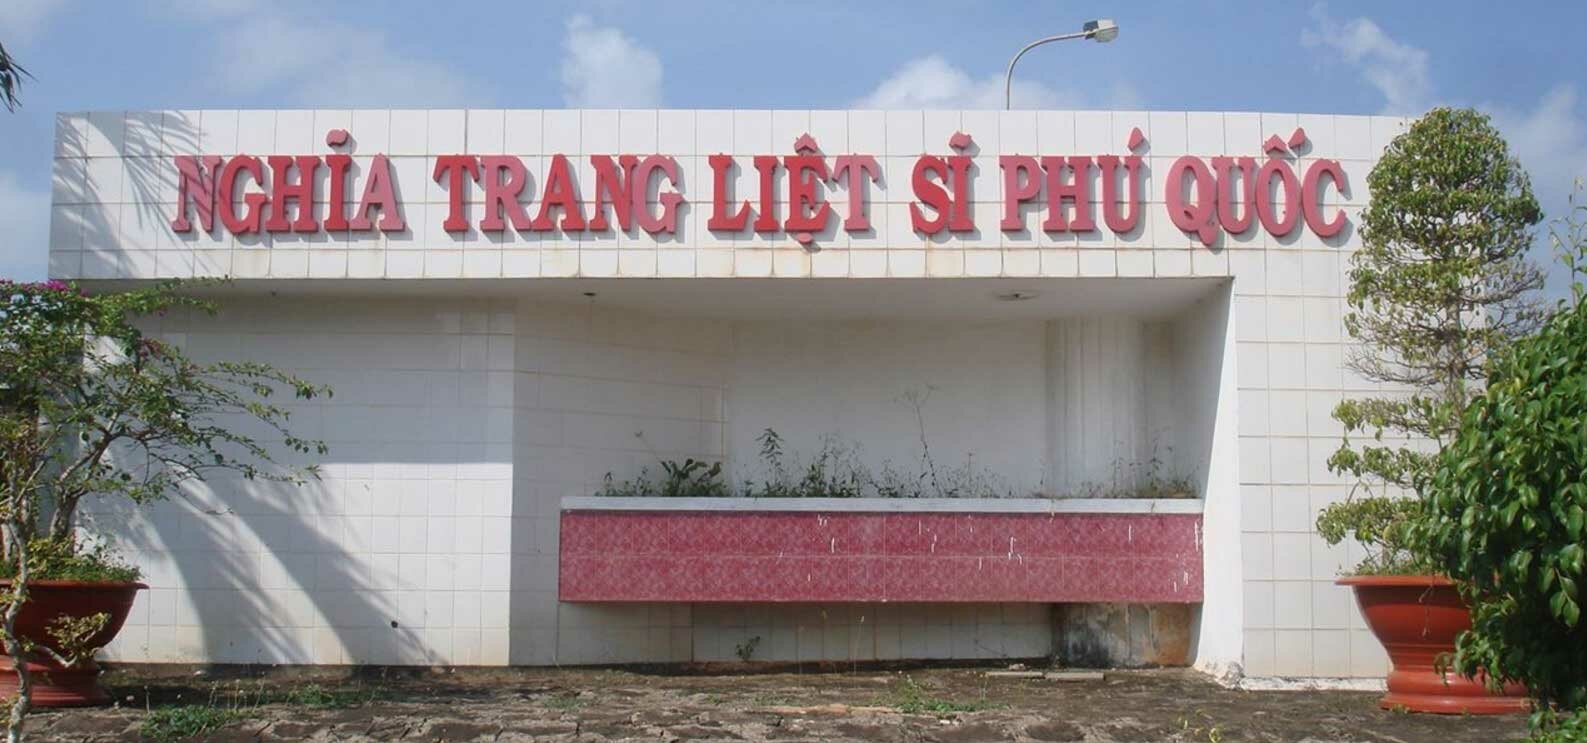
(946, 705)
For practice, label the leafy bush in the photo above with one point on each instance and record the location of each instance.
(1506, 508)
(59, 559)
(1548, 727)
(1382, 527)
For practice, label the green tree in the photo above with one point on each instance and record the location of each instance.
(1440, 284)
(92, 406)
(1506, 507)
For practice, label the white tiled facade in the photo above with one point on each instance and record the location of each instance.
(471, 396)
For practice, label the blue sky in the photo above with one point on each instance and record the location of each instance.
(1524, 63)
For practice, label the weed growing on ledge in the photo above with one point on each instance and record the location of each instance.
(837, 470)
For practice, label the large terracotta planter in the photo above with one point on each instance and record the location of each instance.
(1417, 618)
(53, 684)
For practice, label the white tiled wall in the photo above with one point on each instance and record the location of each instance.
(400, 552)
(114, 195)
(597, 392)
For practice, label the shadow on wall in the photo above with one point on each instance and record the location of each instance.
(111, 208)
(264, 566)
(263, 579)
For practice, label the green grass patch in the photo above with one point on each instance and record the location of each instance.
(772, 700)
(227, 704)
(320, 697)
(911, 698)
(562, 700)
(187, 721)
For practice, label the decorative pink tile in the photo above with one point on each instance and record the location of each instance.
(700, 556)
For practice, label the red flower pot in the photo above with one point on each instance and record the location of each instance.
(55, 685)
(1417, 618)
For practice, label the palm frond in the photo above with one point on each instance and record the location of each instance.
(12, 74)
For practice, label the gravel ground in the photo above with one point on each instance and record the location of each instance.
(948, 705)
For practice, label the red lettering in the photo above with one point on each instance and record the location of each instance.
(933, 194)
(1019, 186)
(807, 211)
(1078, 189)
(229, 176)
(667, 220)
(195, 191)
(379, 193)
(1116, 221)
(300, 191)
(1311, 197)
(501, 196)
(453, 168)
(766, 167)
(613, 186)
(861, 171)
(1223, 172)
(1290, 187)
(560, 193)
(959, 176)
(1197, 214)
(721, 168)
(336, 209)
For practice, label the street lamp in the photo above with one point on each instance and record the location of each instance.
(1102, 30)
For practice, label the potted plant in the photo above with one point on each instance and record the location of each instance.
(1440, 285)
(1506, 512)
(92, 406)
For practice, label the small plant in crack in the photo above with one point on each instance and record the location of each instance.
(746, 649)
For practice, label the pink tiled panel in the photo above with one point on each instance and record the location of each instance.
(943, 557)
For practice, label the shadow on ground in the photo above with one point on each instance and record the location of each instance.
(942, 705)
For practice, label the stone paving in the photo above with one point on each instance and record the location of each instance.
(942, 705)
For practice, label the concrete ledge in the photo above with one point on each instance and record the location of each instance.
(889, 505)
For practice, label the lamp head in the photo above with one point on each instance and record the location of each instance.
(1102, 30)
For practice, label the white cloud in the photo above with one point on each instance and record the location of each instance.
(604, 68)
(933, 82)
(20, 19)
(24, 230)
(1399, 71)
(1550, 140)
(326, 64)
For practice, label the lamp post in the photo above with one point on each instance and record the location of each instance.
(1102, 30)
